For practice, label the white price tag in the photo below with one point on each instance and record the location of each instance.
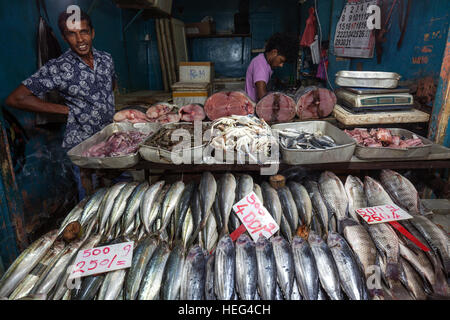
(255, 217)
(385, 213)
(102, 259)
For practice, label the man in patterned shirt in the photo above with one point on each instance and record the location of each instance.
(82, 75)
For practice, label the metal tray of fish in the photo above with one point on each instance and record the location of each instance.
(119, 162)
(386, 153)
(160, 155)
(367, 79)
(341, 153)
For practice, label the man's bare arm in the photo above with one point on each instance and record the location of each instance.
(261, 89)
(23, 98)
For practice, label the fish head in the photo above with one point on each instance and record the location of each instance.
(314, 238)
(334, 239)
(299, 241)
(243, 239)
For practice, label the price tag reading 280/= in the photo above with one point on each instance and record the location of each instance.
(102, 259)
(386, 213)
(256, 219)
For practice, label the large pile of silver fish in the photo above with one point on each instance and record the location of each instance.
(183, 249)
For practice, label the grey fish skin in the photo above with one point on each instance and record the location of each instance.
(73, 215)
(88, 288)
(26, 285)
(334, 195)
(305, 269)
(318, 203)
(289, 208)
(194, 275)
(244, 186)
(26, 261)
(257, 190)
(246, 268)
(147, 202)
(209, 278)
(210, 234)
(52, 273)
(216, 211)
(182, 208)
(401, 190)
(386, 241)
(119, 205)
(285, 265)
(224, 269)
(112, 285)
(349, 273)
(296, 295)
(188, 227)
(107, 204)
(132, 207)
(361, 243)
(141, 256)
(356, 197)
(328, 273)
(267, 269)
(170, 201)
(61, 285)
(435, 237)
(196, 218)
(302, 201)
(376, 195)
(412, 281)
(92, 206)
(151, 281)
(207, 189)
(226, 197)
(419, 262)
(272, 201)
(155, 215)
(171, 281)
(285, 229)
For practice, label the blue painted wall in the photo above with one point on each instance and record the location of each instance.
(233, 55)
(423, 44)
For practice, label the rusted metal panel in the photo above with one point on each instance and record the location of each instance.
(439, 128)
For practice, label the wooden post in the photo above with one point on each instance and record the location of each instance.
(439, 129)
(161, 55)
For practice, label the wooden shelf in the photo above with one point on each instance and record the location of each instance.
(220, 35)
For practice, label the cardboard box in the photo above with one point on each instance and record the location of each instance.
(190, 92)
(200, 28)
(196, 71)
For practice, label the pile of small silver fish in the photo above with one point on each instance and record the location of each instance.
(183, 249)
(301, 140)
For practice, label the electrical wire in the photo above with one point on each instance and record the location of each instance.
(320, 41)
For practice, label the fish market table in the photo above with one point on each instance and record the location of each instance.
(438, 158)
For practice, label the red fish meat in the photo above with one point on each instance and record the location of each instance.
(192, 112)
(276, 107)
(228, 103)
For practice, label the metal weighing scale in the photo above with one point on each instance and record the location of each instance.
(372, 99)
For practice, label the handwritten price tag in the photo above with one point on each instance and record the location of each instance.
(256, 219)
(384, 213)
(102, 259)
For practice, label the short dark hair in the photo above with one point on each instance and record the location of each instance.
(286, 44)
(63, 16)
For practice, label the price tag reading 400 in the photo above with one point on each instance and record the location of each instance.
(256, 219)
(102, 259)
(386, 213)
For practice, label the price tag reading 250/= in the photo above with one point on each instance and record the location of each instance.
(386, 213)
(255, 217)
(102, 259)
